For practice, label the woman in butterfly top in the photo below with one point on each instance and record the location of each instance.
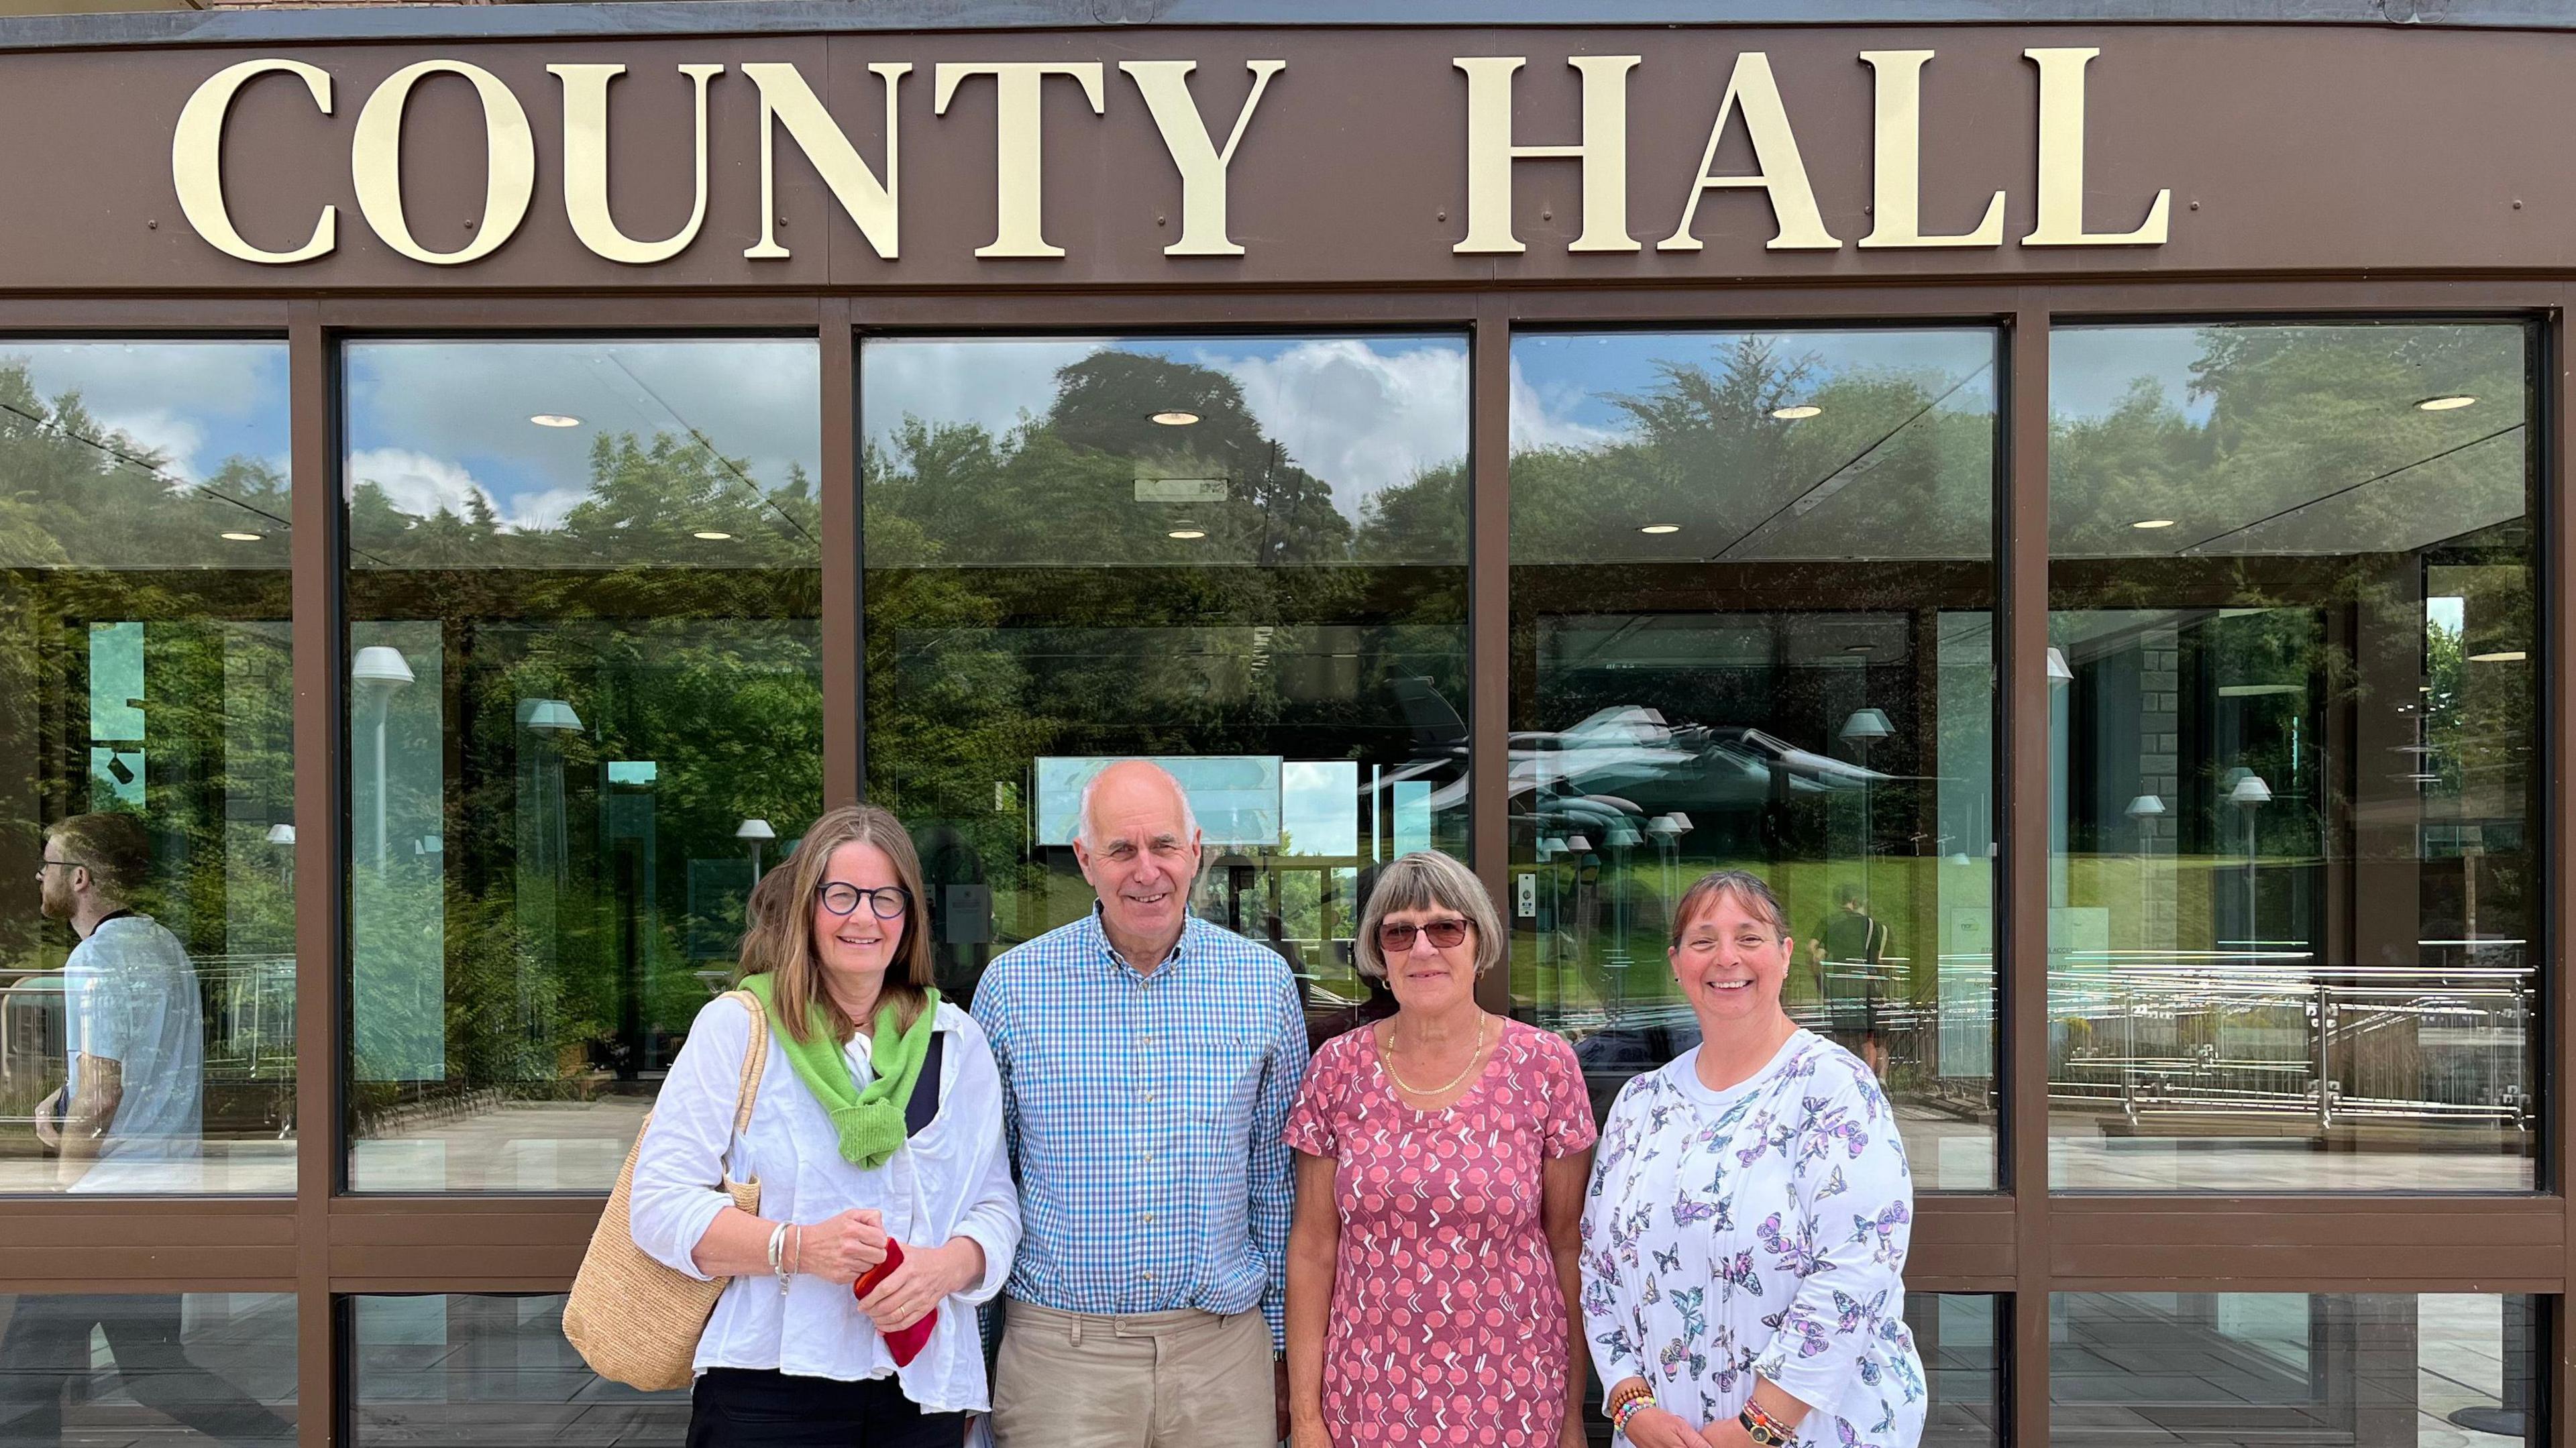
(1744, 1236)
(878, 1117)
(1441, 1160)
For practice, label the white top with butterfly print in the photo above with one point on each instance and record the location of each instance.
(1757, 1231)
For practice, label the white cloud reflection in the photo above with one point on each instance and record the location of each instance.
(1363, 414)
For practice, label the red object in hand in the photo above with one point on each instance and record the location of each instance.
(907, 1343)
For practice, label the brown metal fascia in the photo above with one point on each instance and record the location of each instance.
(844, 563)
(319, 632)
(1489, 623)
(2022, 942)
(2557, 1063)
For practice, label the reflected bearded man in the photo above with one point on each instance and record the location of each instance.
(127, 1119)
(1149, 1060)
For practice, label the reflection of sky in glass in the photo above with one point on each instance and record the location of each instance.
(434, 422)
(198, 404)
(1361, 413)
(1320, 800)
(1563, 387)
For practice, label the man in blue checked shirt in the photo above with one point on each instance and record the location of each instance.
(1148, 1062)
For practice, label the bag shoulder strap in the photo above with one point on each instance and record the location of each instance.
(924, 1105)
(755, 1058)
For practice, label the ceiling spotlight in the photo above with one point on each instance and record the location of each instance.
(1856, 648)
(1661, 528)
(710, 535)
(1185, 534)
(1796, 410)
(1174, 417)
(2452, 403)
(2153, 523)
(244, 537)
(554, 419)
(2500, 656)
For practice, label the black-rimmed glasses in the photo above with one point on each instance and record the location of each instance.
(886, 902)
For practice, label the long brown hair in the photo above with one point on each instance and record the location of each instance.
(779, 938)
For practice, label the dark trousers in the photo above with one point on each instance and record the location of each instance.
(743, 1408)
(48, 1345)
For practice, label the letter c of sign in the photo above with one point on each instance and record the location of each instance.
(197, 161)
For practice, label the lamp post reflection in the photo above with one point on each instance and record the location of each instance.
(378, 672)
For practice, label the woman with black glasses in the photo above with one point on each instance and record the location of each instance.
(1432, 1271)
(876, 1136)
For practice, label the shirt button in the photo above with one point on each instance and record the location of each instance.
(1149, 1096)
(1145, 1040)
(1148, 1276)
(1147, 1219)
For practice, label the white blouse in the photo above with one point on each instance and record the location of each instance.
(953, 1179)
(1758, 1232)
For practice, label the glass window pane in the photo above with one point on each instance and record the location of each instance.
(2294, 867)
(2368, 1370)
(464, 1370)
(1752, 612)
(211, 1367)
(585, 707)
(1961, 1338)
(1243, 556)
(147, 982)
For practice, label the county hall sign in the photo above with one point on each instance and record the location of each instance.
(1235, 157)
(1200, 149)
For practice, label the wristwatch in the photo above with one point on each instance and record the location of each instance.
(1762, 1428)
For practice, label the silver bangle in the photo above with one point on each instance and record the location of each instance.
(777, 1267)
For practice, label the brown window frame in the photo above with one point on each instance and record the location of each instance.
(2020, 1241)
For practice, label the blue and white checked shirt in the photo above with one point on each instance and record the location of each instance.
(1144, 1116)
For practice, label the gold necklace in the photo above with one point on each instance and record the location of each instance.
(1387, 1059)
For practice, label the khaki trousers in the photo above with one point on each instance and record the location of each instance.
(1184, 1379)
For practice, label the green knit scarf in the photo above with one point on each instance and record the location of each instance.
(869, 1122)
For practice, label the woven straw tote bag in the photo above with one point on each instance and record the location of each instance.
(632, 1319)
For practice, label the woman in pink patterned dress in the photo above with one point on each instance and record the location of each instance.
(1442, 1159)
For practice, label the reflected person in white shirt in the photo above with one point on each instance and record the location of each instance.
(791, 1358)
(129, 1116)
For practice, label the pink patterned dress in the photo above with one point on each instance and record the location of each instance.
(1447, 1325)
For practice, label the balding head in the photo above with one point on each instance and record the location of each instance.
(1138, 845)
(1131, 781)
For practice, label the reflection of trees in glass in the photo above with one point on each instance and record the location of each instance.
(2319, 508)
(1026, 596)
(1814, 558)
(100, 532)
(586, 877)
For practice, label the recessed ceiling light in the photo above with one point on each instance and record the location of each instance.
(2451, 403)
(711, 535)
(244, 537)
(1795, 411)
(2153, 523)
(1660, 528)
(1174, 417)
(1856, 648)
(554, 419)
(1186, 533)
(2500, 656)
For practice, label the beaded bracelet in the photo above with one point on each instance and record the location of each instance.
(1635, 1393)
(1627, 1409)
(1762, 1428)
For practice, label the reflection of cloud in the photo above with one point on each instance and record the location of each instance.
(534, 511)
(199, 402)
(158, 430)
(1361, 415)
(1543, 415)
(757, 401)
(2090, 369)
(416, 483)
(947, 383)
